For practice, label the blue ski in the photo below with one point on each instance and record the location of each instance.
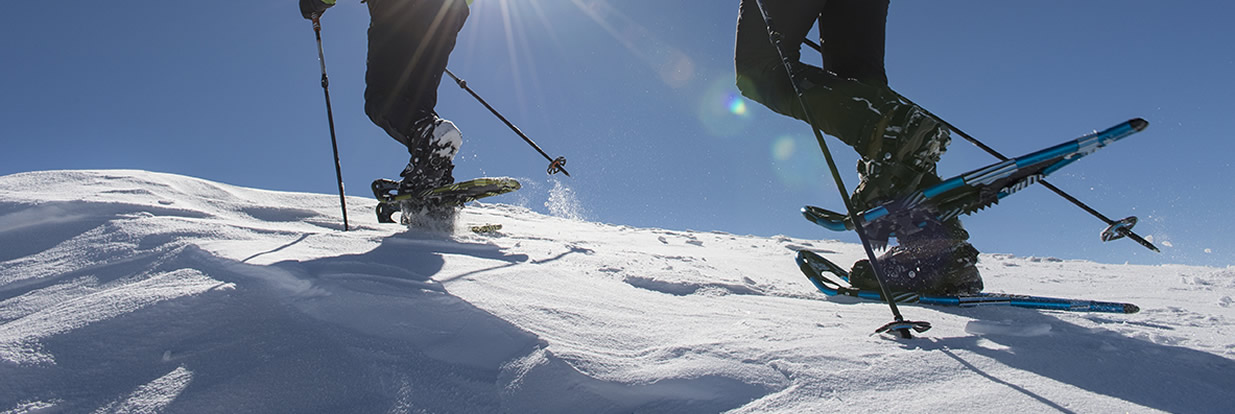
(971, 191)
(814, 266)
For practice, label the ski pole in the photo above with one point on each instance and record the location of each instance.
(899, 325)
(334, 142)
(1119, 228)
(556, 165)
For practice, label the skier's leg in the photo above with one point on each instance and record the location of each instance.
(409, 45)
(898, 143)
(845, 108)
(852, 35)
(900, 148)
(900, 156)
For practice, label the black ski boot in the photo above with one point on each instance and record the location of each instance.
(434, 143)
(936, 261)
(899, 153)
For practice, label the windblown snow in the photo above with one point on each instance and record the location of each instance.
(132, 291)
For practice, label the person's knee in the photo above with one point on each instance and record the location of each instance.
(752, 81)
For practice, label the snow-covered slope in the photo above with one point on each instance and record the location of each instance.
(131, 291)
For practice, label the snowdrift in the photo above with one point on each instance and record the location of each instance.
(132, 291)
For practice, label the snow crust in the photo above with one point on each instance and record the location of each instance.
(133, 291)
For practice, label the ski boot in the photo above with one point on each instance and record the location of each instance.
(937, 261)
(899, 153)
(432, 143)
(431, 166)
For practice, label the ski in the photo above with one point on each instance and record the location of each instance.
(971, 191)
(456, 194)
(815, 266)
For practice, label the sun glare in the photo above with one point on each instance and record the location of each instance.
(674, 66)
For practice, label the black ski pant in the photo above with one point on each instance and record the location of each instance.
(852, 38)
(409, 44)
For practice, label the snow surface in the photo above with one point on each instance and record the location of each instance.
(132, 291)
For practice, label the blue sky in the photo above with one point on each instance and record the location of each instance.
(639, 96)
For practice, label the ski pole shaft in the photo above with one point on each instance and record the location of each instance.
(334, 142)
(899, 324)
(1126, 231)
(555, 164)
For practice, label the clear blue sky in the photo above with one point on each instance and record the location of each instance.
(639, 96)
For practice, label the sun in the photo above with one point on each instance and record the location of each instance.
(512, 23)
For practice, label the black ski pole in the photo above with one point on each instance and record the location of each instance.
(1121, 228)
(556, 165)
(334, 142)
(899, 325)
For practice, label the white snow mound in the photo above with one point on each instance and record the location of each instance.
(133, 291)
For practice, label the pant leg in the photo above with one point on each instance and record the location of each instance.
(761, 75)
(852, 35)
(753, 48)
(409, 45)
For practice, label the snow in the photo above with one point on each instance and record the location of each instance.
(133, 291)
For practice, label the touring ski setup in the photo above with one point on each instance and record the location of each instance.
(975, 190)
(816, 268)
(457, 194)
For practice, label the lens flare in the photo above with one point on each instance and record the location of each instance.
(737, 105)
(783, 149)
(795, 164)
(723, 111)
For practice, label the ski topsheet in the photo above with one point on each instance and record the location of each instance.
(814, 267)
(971, 191)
